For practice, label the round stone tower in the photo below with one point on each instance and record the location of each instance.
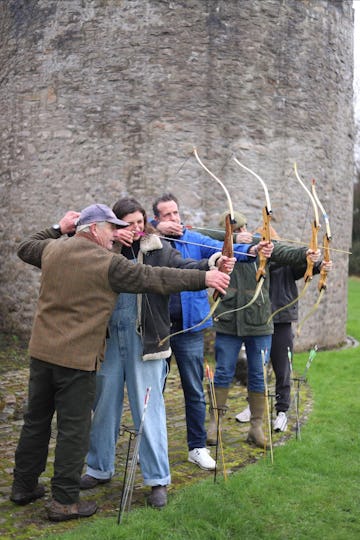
(108, 97)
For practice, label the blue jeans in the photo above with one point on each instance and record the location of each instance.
(227, 348)
(123, 364)
(188, 350)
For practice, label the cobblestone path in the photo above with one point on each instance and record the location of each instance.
(30, 521)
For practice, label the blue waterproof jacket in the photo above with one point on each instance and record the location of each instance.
(195, 304)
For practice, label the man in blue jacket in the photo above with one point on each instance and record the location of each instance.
(187, 309)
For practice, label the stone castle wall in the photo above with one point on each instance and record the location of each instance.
(104, 98)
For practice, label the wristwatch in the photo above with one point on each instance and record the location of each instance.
(56, 227)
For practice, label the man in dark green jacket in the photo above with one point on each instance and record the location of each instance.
(284, 297)
(250, 325)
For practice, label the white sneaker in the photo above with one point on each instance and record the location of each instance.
(244, 416)
(202, 458)
(280, 422)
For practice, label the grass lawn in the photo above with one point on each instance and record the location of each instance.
(311, 491)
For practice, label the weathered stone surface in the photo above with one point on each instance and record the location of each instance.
(103, 98)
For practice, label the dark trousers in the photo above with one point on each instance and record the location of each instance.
(188, 350)
(282, 339)
(69, 392)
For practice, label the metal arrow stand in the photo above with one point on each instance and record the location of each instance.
(130, 470)
(299, 381)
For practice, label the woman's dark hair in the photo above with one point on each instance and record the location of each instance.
(129, 205)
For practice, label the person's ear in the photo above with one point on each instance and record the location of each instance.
(93, 228)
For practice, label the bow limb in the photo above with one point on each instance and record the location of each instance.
(266, 191)
(266, 215)
(315, 226)
(313, 245)
(266, 235)
(231, 209)
(228, 249)
(323, 273)
(265, 231)
(326, 239)
(261, 273)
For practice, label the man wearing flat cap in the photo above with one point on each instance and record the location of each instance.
(80, 282)
(240, 220)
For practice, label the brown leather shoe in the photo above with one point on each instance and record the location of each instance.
(22, 497)
(63, 512)
(89, 482)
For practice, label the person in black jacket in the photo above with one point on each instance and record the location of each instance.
(283, 291)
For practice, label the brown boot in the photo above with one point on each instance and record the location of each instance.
(221, 395)
(63, 512)
(257, 410)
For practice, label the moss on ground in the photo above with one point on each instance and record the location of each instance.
(30, 521)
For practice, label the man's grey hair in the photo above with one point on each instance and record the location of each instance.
(86, 227)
